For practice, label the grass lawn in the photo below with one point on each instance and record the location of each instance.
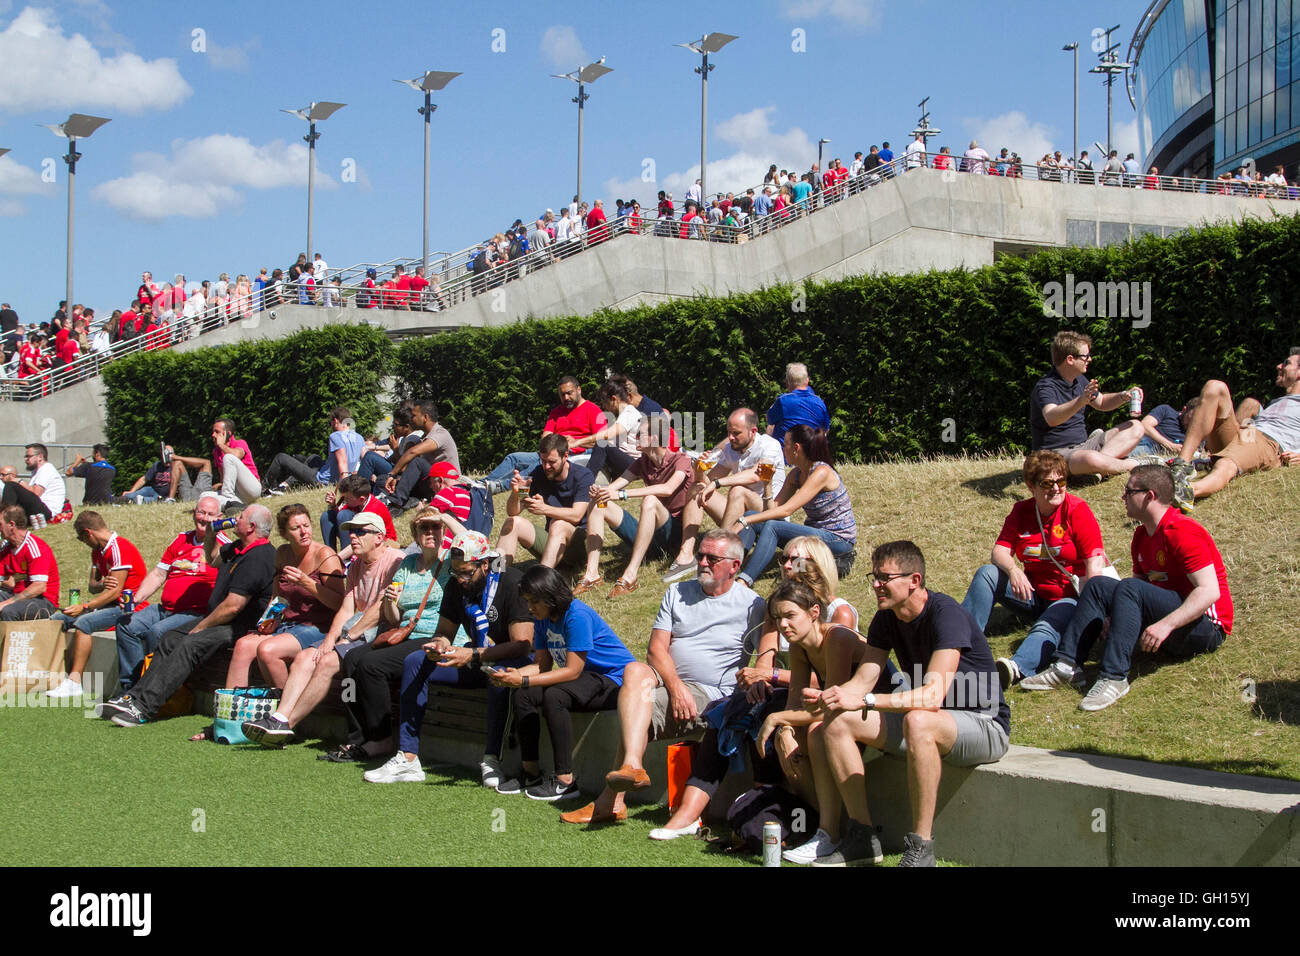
(105, 794)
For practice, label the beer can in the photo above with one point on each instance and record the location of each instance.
(1135, 402)
(771, 843)
(128, 600)
(38, 522)
(74, 595)
(221, 524)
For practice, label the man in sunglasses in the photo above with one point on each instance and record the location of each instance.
(1177, 601)
(1056, 407)
(697, 643)
(955, 714)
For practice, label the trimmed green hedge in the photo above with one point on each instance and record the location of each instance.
(279, 394)
(931, 363)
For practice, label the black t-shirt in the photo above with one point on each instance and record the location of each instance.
(563, 494)
(942, 625)
(99, 481)
(1052, 389)
(251, 574)
(8, 320)
(870, 161)
(508, 607)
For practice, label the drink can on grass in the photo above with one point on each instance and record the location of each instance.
(771, 843)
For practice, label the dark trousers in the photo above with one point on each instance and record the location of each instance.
(373, 669)
(419, 672)
(1131, 605)
(176, 657)
(26, 609)
(30, 502)
(292, 466)
(585, 693)
(610, 460)
(412, 482)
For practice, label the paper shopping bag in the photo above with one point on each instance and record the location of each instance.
(33, 656)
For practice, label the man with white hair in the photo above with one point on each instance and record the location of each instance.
(975, 159)
(242, 591)
(800, 405)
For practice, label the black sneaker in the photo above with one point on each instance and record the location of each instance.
(859, 845)
(551, 789)
(519, 784)
(122, 710)
(269, 731)
(917, 852)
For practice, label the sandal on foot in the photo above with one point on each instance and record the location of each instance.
(582, 587)
(622, 588)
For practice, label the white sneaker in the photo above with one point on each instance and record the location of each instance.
(667, 833)
(490, 773)
(397, 770)
(819, 845)
(69, 688)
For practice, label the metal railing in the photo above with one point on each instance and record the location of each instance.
(454, 280)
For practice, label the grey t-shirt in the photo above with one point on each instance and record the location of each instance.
(1281, 422)
(446, 447)
(708, 644)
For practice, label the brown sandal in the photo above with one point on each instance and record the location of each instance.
(582, 587)
(622, 588)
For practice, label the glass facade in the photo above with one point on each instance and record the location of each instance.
(1217, 82)
(1172, 76)
(1257, 97)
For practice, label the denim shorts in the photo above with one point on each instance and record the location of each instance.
(306, 635)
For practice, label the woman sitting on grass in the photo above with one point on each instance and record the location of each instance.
(811, 483)
(309, 580)
(1055, 536)
(578, 666)
(808, 562)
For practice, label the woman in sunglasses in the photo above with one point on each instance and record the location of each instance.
(1055, 536)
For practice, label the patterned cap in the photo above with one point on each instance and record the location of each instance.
(473, 545)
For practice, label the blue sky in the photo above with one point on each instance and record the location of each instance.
(199, 172)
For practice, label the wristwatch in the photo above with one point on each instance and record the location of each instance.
(524, 681)
(475, 659)
(869, 702)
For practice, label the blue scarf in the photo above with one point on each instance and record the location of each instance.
(476, 610)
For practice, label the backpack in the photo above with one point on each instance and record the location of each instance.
(755, 807)
(482, 513)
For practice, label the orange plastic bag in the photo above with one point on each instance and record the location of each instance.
(681, 758)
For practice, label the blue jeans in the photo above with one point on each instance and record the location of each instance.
(521, 461)
(989, 585)
(1131, 605)
(331, 528)
(145, 495)
(667, 536)
(100, 619)
(374, 465)
(419, 671)
(140, 633)
(770, 534)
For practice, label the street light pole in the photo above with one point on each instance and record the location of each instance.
(1075, 157)
(709, 43)
(77, 126)
(314, 113)
(820, 144)
(1109, 65)
(430, 81)
(582, 76)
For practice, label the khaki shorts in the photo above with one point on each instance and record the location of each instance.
(663, 725)
(1094, 443)
(1248, 448)
(979, 738)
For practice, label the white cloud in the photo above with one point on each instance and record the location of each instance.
(756, 146)
(1016, 132)
(563, 49)
(19, 180)
(203, 176)
(1126, 139)
(863, 14)
(36, 54)
(11, 207)
(236, 57)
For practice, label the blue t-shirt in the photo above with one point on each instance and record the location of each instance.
(563, 494)
(584, 630)
(1052, 389)
(886, 155)
(1168, 423)
(354, 446)
(802, 190)
(800, 407)
(649, 407)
